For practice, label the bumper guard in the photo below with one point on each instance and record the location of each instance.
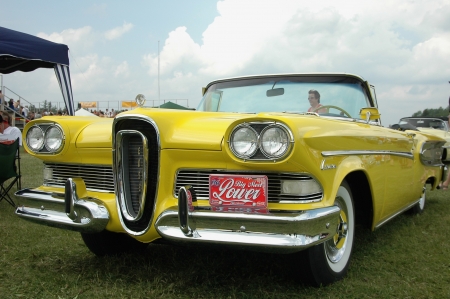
(72, 211)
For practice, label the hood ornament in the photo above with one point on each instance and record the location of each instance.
(140, 100)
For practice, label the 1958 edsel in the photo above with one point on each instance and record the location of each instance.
(250, 168)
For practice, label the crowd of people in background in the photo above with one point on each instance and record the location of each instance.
(105, 113)
(16, 106)
(25, 110)
(30, 115)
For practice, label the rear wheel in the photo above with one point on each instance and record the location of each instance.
(109, 243)
(329, 261)
(420, 206)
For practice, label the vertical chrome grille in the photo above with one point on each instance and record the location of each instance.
(136, 168)
(132, 163)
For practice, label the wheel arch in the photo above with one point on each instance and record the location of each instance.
(433, 181)
(362, 198)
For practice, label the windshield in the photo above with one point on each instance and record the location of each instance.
(431, 123)
(330, 96)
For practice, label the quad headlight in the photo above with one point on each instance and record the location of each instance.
(244, 142)
(274, 141)
(53, 139)
(35, 138)
(45, 138)
(260, 141)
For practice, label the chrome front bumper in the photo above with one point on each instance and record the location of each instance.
(271, 232)
(283, 232)
(73, 210)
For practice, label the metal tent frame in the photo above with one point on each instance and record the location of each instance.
(23, 52)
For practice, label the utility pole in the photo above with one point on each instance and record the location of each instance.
(159, 95)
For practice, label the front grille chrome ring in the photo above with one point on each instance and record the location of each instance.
(132, 159)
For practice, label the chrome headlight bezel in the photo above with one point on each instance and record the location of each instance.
(253, 144)
(45, 147)
(27, 138)
(48, 131)
(260, 153)
(284, 144)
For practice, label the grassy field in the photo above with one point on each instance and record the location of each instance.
(407, 258)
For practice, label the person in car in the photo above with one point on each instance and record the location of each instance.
(314, 101)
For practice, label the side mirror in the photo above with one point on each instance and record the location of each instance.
(369, 113)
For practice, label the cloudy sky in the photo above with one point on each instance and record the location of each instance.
(402, 47)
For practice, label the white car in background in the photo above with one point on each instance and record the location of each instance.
(431, 125)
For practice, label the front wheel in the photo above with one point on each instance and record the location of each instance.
(109, 243)
(328, 262)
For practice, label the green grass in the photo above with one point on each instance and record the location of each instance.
(406, 258)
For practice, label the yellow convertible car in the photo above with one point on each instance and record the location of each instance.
(278, 163)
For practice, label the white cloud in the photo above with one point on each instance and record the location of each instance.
(122, 70)
(117, 32)
(91, 73)
(403, 47)
(80, 36)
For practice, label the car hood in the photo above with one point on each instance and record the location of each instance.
(440, 133)
(95, 135)
(195, 130)
(177, 129)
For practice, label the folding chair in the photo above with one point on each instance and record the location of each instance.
(9, 169)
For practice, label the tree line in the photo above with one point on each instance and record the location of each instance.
(439, 112)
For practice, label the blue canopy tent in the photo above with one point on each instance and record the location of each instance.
(23, 52)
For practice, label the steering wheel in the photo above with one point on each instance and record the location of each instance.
(335, 107)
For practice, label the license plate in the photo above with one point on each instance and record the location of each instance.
(238, 193)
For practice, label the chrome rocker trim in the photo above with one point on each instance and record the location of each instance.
(273, 232)
(77, 212)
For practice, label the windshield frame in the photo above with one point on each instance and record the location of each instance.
(320, 78)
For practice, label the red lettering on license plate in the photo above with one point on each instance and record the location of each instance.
(238, 193)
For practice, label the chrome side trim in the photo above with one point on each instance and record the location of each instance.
(274, 232)
(86, 215)
(396, 214)
(357, 153)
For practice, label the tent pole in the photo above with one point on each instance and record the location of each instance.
(3, 98)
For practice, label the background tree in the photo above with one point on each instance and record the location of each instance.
(430, 112)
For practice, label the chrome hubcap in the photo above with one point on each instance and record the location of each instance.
(335, 247)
